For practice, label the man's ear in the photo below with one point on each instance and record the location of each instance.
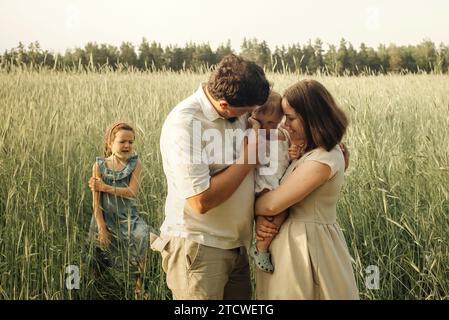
(223, 105)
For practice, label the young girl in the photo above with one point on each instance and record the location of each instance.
(116, 223)
(268, 117)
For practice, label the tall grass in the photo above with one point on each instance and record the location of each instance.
(394, 208)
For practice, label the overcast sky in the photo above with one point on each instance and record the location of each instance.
(62, 24)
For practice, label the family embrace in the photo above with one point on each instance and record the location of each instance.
(221, 191)
(212, 206)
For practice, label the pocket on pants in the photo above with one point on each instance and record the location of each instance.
(192, 253)
(165, 254)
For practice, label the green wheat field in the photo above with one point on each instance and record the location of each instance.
(393, 211)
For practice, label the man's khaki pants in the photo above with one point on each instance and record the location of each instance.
(196, 271)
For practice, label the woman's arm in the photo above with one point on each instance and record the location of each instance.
(306, 178)
(125, 192)
(103, 233)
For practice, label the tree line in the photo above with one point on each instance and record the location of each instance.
(308, 58)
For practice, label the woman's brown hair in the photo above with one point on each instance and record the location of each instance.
(110, 135)
(324, 122)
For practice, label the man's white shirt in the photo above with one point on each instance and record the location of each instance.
(197, 143)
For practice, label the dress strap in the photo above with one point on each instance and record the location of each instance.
(101, 164)
(132, 161)
(118, 175)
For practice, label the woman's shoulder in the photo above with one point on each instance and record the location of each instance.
(334, 153)
(333, 158)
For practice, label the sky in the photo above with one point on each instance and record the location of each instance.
(62, 24)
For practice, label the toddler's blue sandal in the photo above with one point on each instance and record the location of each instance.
(262, 259)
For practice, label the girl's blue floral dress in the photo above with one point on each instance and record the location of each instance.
(129, 231)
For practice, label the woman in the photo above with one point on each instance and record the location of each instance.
(309, 254)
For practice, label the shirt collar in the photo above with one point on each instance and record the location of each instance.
(206, 106)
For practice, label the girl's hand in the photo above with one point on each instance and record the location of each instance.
(264, 228)
(104, 237)
(96, 184)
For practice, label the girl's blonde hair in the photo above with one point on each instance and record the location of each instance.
(110, 135)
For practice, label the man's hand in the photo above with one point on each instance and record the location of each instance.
(345, 151)
(249, 153)
(265, 228)
(254, 123)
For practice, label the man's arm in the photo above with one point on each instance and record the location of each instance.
(222, 186)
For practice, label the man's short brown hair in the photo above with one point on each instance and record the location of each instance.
(239, 82)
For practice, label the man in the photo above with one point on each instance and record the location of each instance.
(209, 210)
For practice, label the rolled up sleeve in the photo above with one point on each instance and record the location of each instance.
(183, 160)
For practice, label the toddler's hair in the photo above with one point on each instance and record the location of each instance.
(272, 105)
(110, 135)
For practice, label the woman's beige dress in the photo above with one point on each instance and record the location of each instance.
(309, 254)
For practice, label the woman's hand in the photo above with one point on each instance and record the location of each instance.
(96, 184)
(104, 237)
(265, 228)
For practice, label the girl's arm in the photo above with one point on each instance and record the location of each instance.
(306, 178)
(125, 192)
(103, 233)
